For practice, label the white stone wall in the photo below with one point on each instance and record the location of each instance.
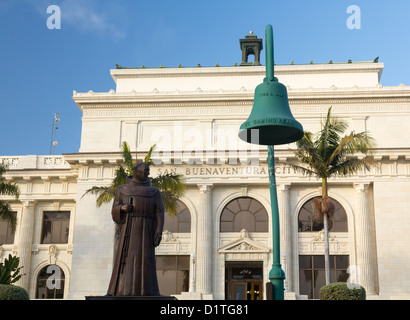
(47, 184)
(393, 237)
(195, 113)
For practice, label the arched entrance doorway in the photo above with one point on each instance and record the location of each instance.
(244, 280)
(311, 260)
(244, 256)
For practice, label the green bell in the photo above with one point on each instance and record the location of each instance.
(271, 122)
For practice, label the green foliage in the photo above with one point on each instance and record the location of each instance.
(7, 189)
(172, 186)
(330, 153)
(341, 291)
(11, 292)
(10, 270)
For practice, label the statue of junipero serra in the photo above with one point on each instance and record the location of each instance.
(139, 211)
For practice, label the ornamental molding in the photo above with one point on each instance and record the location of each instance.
(226, 109)
(174, 243)
(244, 244)
(234, 71)
(168, 237)
(320, 236)
(52, 253)
(315, 244)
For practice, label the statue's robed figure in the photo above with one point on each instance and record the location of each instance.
(138, 211)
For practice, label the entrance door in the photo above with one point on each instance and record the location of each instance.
(239, 291)
(244, 281)
(247, 290)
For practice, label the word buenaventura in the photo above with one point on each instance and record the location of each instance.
(225, 170)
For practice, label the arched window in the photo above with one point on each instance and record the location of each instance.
(181, 222)
(307, 223)
(50, 283)
(244, 213)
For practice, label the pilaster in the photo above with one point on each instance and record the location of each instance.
(205, 237)
(365, 271)
(25, 242)
(285, 231)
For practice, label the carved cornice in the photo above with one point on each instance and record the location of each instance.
(243, 97)
(135, 73)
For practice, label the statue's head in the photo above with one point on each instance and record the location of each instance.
(140, 171)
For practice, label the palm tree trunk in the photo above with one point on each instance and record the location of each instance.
(326, 229)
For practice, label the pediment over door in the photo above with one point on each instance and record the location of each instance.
(244, 244)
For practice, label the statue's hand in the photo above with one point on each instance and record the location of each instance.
(127, 208)
(157, 239)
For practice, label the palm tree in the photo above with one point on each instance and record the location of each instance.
(329, 154)
(172, 186)
(9, 189)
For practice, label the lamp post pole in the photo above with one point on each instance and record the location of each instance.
(271, 115)
(276, 275)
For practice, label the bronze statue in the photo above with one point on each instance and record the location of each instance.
(139, 211)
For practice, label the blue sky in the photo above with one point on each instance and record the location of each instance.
(40, 67)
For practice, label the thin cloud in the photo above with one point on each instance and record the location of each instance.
(90, 16)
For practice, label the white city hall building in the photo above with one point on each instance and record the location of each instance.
(219, 246)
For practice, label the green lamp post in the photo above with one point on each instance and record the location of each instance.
(274, 124)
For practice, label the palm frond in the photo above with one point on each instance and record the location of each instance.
(308, 154)
(127, 157)
(171, 186)
(301, 169)
(327, 152)
(148, 157)
(170, 182)
(351, 166)
(170, 202)
(350, 145)
(9, 189)
(8, 215)
(3, 169)
(104, 194)
(95, 190)
(120, 176)
(329, 137)
(105, 197)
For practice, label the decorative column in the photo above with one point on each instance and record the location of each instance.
(25, 242)
(204, 240)
(285, 231)
(192, 284)
(365, 272)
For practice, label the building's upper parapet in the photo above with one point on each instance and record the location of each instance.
(318, 76)
(34, 162)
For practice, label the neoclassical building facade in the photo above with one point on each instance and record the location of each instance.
(219, 245)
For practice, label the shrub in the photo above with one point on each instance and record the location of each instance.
(10, 270)
(12, 292)
(341, 291)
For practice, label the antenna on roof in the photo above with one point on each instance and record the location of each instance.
(54, 142)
